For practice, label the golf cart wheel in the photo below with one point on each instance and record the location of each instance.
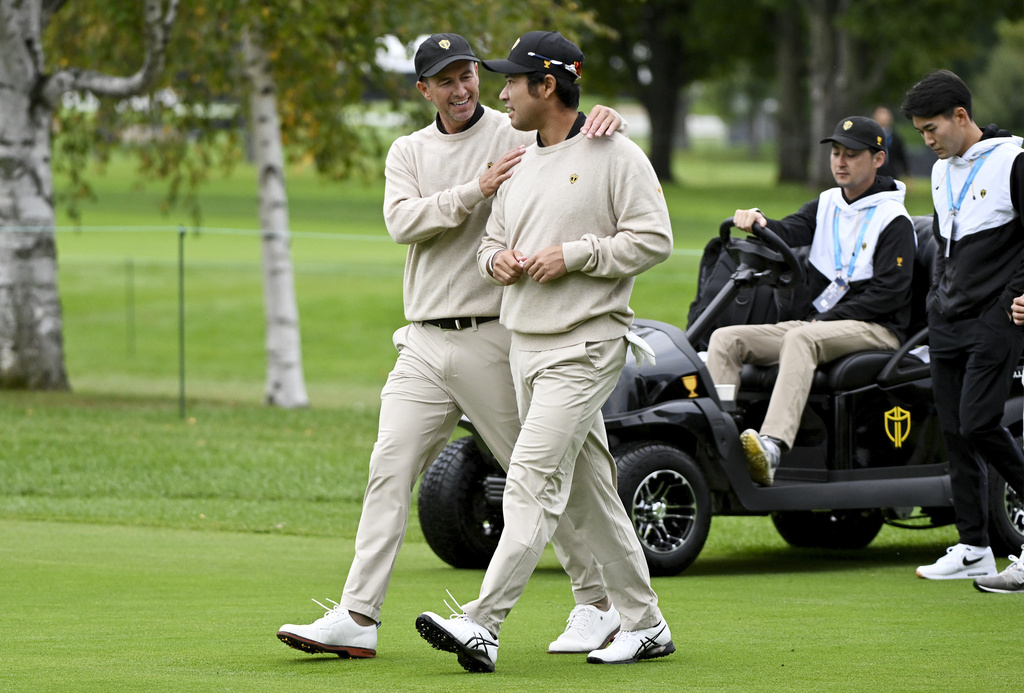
(1005, 516)
(668, 501)
(829, 529)
(459, 523)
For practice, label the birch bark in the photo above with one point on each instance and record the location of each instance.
(286, 385)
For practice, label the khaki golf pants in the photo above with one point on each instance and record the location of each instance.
(561, 468)
(439, 375)
(797, 346)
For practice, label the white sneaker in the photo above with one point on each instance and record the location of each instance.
(334, 633)
(476, 648)
(630, 646)
(961, 562)
(1010, 581)
(588, 628)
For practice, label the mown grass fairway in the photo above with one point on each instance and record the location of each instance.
(145, 552)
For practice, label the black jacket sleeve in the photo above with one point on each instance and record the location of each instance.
(798, 228)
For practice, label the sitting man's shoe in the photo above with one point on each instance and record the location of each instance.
(630, 646)
(961, 562)
(476, 648)
(762, 456)
(334, 633)
(588, 628)
(1010, 581)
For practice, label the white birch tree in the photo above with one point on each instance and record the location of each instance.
(286, 386)
(31, 333)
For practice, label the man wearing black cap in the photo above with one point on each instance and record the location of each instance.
(567, 234)
(453, 356)
(861, 262)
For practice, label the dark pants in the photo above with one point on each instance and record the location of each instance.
(972, 364)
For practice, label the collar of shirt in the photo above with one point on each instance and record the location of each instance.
(477, 115)
(573, 131)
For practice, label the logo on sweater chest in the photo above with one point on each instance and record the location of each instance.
(573, 178)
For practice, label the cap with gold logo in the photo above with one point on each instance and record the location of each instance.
(858, 132)
(541, 51)
(438, 51)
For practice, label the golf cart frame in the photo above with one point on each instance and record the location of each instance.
(869, 450)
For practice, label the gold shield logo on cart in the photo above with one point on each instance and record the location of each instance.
(690, 383)
(897, 425)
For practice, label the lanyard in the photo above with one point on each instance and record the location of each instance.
(975, 167)
(837, 250)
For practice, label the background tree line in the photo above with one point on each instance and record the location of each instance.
(282, 80)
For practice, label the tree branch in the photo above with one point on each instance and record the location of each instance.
(158, 29)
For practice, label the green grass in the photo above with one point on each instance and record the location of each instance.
(145, 552)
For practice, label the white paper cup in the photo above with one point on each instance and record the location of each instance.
(726, 393)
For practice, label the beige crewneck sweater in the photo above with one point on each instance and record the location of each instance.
(443, 223)
(600, 199)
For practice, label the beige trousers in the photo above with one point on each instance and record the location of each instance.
(561, 468)
(797, 347)
(439, 375)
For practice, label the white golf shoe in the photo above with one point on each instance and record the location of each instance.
(334, 633)
(587, 629)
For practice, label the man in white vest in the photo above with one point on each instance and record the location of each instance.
(977, 190)
(859, 276)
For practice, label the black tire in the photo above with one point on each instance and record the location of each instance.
(1005, 516)
(459, 523)
(829, 529)
(666, 497)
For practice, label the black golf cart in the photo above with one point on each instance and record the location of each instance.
(868, 452)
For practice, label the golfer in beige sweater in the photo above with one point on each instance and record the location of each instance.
(578, 219)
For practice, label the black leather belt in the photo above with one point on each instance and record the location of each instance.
(458, 323)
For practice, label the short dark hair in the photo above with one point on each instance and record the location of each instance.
(567, 92)
(940, 93)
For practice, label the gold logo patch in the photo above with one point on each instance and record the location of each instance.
(899, 261)
(445, 43)
(573, 178)
(897, 425)
(879, 140)
(983, 192)
(690, 383)
(847, 125)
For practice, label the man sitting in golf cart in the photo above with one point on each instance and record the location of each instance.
(861, 261)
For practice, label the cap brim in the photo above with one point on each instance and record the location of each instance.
(507, 67)
(850, 143)
(445, 62)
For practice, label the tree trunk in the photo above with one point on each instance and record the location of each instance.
(285, 380)
(31, 332)
(794, 146)
(828, 65)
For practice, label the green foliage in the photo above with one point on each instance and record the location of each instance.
(999, 90)
(322, 61)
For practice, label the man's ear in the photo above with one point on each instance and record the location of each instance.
(879, 159)
(423, 90)
(548, 88)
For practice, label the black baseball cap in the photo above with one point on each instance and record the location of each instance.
(541, 51)
(439, 51)
(858, 132)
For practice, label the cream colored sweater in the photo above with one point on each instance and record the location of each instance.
(433, 204)
(601, 200)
